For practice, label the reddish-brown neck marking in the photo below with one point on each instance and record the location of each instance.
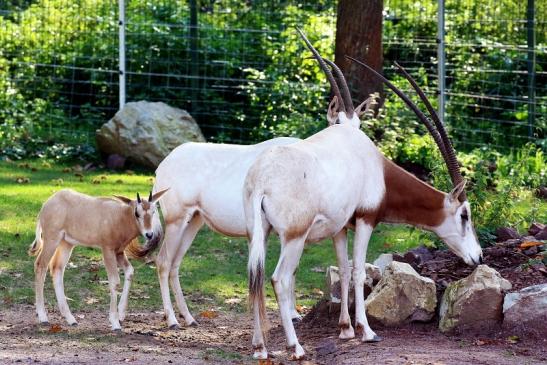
(407, 200)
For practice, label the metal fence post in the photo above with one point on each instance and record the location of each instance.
(531, 40)
(194, 54)
(121, 51)
(441, 70)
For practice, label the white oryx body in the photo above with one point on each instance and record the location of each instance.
(68, 219)
(334, 180)
(206, 184)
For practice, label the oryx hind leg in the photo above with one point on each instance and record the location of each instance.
(281, 279)
(340, 245)
(57, 267)
(360, 245)
(164, 261)
(41, 263)
(187, 238)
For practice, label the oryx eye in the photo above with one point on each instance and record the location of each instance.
(464, 216)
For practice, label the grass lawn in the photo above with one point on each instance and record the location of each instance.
(213, 271)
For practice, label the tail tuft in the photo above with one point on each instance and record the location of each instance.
(34, 248)
(257, 300)
(137, 251)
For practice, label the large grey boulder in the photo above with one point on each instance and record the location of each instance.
(474, 302)
(525, 311)
(146, 132)
(401, 296)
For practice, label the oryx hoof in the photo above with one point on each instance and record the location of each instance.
(297, 320)
(298, 353)
(174, 327)
(117, 330)
(375, 338)
(73, 324)
(44, 324)
(260, 355)
(193, 324)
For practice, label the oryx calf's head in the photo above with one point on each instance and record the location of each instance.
(145, 213)
(456, 228)
(341, 110)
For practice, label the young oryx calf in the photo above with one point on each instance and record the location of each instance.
(69, 218)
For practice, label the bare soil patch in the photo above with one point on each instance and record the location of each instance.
(225, 339)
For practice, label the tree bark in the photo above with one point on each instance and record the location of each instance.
(359, 34)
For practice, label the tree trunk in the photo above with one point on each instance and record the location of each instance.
(359, 34)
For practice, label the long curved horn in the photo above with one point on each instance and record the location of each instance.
(432, 130)
(434, 133)
(325, 69)
(452, 163)
(345, 90)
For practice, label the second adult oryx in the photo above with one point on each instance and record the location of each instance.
(206, 187)
(321, 186)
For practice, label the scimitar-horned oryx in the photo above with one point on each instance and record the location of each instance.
(334, 180)
(206, 187)
(69, 219)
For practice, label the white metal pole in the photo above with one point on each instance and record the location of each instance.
(441, 59)
(121, 33)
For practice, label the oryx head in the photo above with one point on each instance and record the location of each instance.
(340, 109)
(456, 228)
(145, 213)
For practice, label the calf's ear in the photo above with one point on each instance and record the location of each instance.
(158, 195)
(123, 199)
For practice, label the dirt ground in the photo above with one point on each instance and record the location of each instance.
(226, 340)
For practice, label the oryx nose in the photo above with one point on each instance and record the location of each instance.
(149, 235)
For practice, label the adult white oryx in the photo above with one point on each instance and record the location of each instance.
(69, 218)
(206, 187)
(334, 180)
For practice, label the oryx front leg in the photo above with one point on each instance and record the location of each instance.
(281, 280)
(111, 267)
(164, 263)
(294, 312)
(57, 269)
(340, 245)
(124, 263)
(187, 239)
(360, 245)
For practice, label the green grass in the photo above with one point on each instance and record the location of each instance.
(213, 271)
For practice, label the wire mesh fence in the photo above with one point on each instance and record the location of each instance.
(237, 66)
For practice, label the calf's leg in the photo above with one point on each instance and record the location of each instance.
(57, 267)
(110, 263)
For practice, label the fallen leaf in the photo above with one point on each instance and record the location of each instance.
(318, 291)
(513, 339)
(266, 362)
(528, 244)
(317, 269)
(233, 301)
(55, 328)
(209, 314)
(91, 300)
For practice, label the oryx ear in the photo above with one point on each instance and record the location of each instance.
(158, 195)
(455, 193)
(332, 113)
(124, 199)
(369, 104)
